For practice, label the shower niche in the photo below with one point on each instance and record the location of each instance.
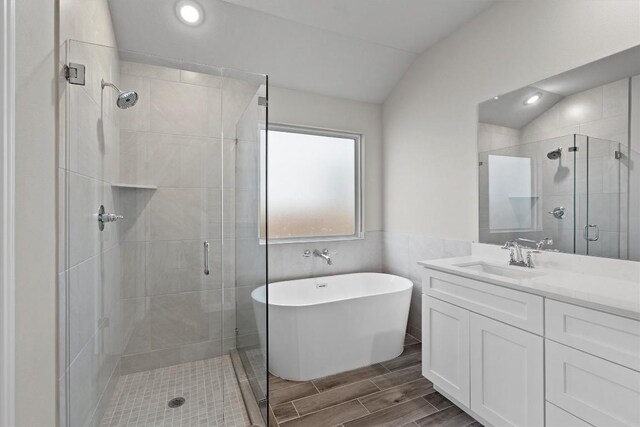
(560, 160)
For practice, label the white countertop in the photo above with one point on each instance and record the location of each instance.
(614, 293)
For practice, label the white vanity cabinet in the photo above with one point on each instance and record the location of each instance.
(512, 358)
(491, 368)
(592, 364)
(446, 353)
(507, 385)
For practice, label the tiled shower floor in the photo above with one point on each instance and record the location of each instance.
(209, 387)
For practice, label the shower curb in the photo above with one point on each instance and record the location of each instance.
(253, 411)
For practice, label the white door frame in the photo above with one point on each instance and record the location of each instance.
(7, 203)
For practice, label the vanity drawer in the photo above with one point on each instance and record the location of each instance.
(516, 308)
(597, 391)
(606, 335)
(557, 417)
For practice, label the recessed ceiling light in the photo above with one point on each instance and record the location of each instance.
(189, 12)
(533, 99)
(496, 97)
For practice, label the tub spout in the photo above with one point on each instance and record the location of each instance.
(324, 254)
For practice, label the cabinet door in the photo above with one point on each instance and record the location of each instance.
(598, 391)
(557, 417)
(605, 335)
(507, 381)
(445, 347)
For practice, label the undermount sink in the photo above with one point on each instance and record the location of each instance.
(512, 273)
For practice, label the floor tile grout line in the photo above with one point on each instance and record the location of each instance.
(349, 383)
(332, 406)
(365, 408)
(295, 409)
(393, 372)
(339, 387)
(400, 403)
(328, 407)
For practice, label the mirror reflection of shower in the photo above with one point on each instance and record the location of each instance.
(555, 154)
(126, 99)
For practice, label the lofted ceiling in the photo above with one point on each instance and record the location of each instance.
(354, 49)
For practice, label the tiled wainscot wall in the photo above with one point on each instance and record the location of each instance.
(401, 253)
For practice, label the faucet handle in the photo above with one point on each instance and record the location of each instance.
(325, 251)
(530, 263)
(546, 241)
(306, 253)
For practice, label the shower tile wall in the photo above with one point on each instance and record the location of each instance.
(601, 112)
(172, 140)
(89, 268)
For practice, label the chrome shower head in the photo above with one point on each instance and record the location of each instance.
(555, 154)
(125, 99)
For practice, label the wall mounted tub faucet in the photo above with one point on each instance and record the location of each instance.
(324, 254)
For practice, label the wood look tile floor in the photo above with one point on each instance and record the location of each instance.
(391, 393)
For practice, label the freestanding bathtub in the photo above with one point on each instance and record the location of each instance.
(332, 324)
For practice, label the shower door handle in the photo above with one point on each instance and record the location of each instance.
(206, 258)
(587, 236)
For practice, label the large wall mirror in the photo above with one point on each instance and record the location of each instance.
(559, 161)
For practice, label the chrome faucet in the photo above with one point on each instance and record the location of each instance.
(324, 254)
(515, 254)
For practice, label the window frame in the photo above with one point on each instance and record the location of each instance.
(358, 139)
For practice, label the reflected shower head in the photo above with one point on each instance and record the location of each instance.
(555, 154)
(125, 99)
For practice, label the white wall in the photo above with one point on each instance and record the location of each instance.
(35, 207)
(37, 39)
(87, 21)
(430, 119)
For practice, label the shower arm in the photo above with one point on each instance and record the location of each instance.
(104, 84)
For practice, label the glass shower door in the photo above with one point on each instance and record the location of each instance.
(598, 196)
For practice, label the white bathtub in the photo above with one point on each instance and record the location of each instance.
(332, 324)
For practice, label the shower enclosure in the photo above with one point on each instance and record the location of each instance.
(159, 203)
(572, 189)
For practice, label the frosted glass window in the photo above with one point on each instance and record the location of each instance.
(511, 198)
(313, 184)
